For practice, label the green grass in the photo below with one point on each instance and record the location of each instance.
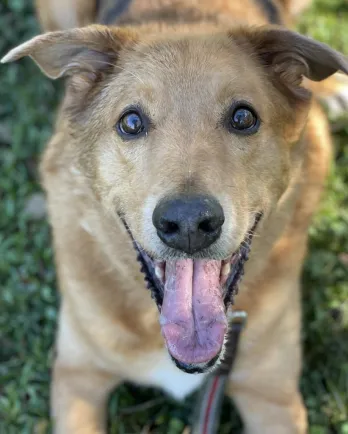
(28, 293)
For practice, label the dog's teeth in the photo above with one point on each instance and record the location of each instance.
(226, 268)
(159, 271)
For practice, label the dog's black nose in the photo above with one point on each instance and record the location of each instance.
(189, 223)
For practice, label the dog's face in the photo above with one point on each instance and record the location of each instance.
(185, 128)
(189, 139)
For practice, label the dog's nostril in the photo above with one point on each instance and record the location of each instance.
(170, 228)
(206, 226)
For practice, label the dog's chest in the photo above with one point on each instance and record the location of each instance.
(158, 370)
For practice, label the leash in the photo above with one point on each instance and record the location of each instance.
(207, 411)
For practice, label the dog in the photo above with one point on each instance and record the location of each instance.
(187, 131)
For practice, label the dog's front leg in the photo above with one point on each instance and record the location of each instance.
(80, 388)
(79, 397)
(263, 416)
(265, 379)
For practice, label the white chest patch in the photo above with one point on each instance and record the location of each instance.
(159, 371)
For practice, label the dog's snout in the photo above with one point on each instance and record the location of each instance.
(188, 223)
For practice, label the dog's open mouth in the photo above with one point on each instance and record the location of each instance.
(192, 296)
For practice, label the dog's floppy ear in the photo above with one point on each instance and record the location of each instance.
(290, 55)
(88, 50)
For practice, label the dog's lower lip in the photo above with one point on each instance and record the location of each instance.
(199, 368)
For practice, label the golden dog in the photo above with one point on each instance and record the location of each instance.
(184, 132)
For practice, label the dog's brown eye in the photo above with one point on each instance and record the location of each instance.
(243, 119)
(131, 124)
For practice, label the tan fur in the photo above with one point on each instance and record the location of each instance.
(65, 14)
(108, 327)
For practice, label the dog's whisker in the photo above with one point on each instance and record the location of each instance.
(103, 62)
(130, 72)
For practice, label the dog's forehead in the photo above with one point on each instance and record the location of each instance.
(205, 66)
(188, 56)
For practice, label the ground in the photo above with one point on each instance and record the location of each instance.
(28, 292)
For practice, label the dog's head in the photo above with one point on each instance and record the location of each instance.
(188, 138)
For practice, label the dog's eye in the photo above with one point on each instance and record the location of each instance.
(131, 124)
(243, 119)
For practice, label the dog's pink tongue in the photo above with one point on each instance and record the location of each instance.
(193, 317)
